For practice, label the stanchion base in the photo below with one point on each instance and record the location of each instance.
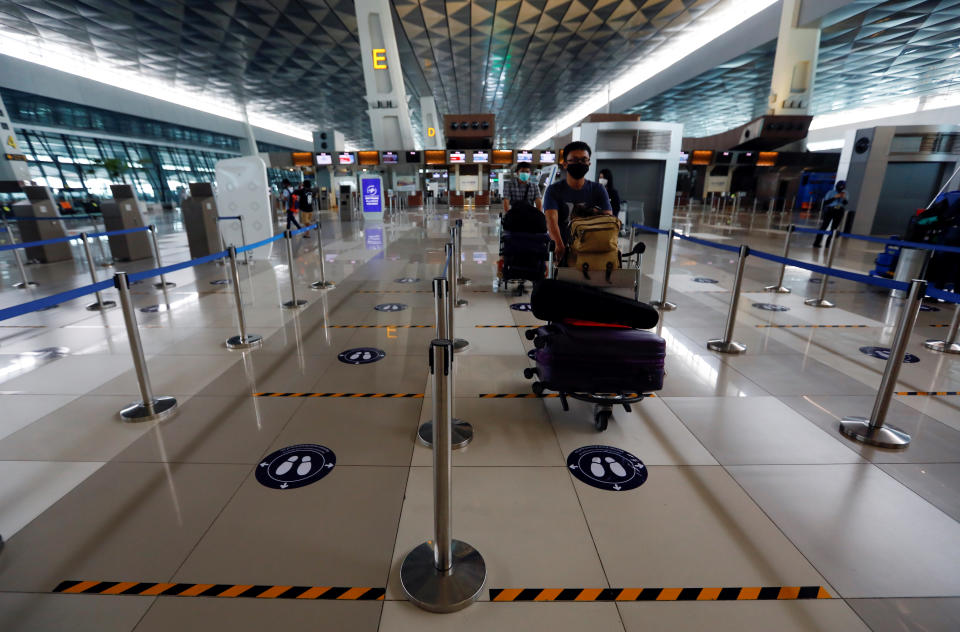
(664, 306)
(163, 407)
(720, 346)
(815, 302)
(100, 307)
(443, 591)
(294, 304)
(237, 342)
(461, 434)
(160, 286)
(858, 429)
(461, 302)
(942, 346)
(779, 289)
(21, 286)
(459, 344)
(323, 285)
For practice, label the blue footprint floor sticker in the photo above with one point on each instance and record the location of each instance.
(704, 280)
(390, 307)
(296, 466)
(771, 307)
(521, 307)
(361, 355)
(606, 467)
(883, 353)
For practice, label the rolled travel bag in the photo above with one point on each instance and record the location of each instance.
(556, 300)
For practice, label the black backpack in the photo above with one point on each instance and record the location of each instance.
(304, 200)
(523, 217)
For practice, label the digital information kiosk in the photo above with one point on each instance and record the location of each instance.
(242, 189)
(371, 187)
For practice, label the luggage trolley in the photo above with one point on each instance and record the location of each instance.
(526, 257)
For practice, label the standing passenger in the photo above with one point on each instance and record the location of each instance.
(606, 180)
(521, 189)
(833, 211)
(289, 202)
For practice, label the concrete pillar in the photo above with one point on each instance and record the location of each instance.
(383, 77)
(248, 144)
(13, 162)
(795, 63)
(431, 121)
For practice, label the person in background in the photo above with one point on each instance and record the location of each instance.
(289, 202)
(182, 195)
(562, 196)
(606, 181)
(305, 204)
(833, 211)
(521, 188)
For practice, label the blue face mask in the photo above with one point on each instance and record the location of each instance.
(524, 176)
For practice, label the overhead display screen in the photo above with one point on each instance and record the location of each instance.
(389, 157)
(502, 156)
(347, 158)
(302, 159)
(414, 156)
(457, 157)
(368, 158)
(548, 157)
(435, 156)
(481, 157)
(524, 156)
(324, 158)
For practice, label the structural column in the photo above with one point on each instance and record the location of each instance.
(795, 63)
(432, 125)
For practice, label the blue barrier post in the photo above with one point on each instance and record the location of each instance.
(821, 300)
(149, 407)
(949, 344)
(726, 344)
(243, 340)
(663, 304)
(779, 288)
(322, 284)
(872, 430)
(101, 304)
(293, 303)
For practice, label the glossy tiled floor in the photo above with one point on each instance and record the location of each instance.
(750, 484)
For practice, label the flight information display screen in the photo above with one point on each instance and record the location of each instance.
(346, 158)
(414, 156)
(524, 156)
(547, 157)
(457, 156)
(481, 157)
(389, 157)
(324, 159)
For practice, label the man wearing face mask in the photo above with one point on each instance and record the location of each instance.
(521, 189)
(562, 196)
(833, 211)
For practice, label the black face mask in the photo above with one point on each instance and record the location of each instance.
(577, 170)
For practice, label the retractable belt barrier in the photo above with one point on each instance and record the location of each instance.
(903, 244)
(57, 240)
(54, 219)
(812, 231)
(226, 217)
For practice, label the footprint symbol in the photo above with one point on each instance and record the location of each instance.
(616, 468)
(287, 465)
(355, 356)
(596, 468)
(305, 466)
(367, 355)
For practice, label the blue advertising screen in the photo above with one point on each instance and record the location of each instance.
(371, 195)
(374, 238)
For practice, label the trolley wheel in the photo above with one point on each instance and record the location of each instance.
(627, 408)
(529, 373)
(601, 418)
(537, 388)
(531, 334)
(540, 342)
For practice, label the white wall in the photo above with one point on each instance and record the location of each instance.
(837, 134)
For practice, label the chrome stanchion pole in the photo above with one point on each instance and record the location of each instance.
(949, 344)
(156, 257)
(243, 238)
(442, 575)
(462, 432)
(293, 303)
(243, 340)
(872, 430)
(727, 345)
(101, 304)
(223, 246)
(633, 236)
(459, 344)
(663, 304)
(454, 269)
(551, 268)
(25, 282)
(779, 288)
(459, 245)
(322, 284)
(821, 300)
(149, 407)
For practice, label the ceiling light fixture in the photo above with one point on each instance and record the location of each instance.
(723, 17)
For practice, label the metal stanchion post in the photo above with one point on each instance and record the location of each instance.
(872, 430)
(293, 303)
(949, 344)
(633, 236)
(243, 340)
(663, 304)
(322, 284)
(25, 282)
(442, 575)
(770, 214)
(460, 279)
(778, 288)
(156, 257)
(843, 222)
(101, 304)
(149, 407)
(727, 345)
(223, 246)
(459, 344)
(243, 238)
(821, 300)
(820, 214)
(551, 268)
(454, 269)
(462, 432)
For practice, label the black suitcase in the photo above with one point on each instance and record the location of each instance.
(556, 300)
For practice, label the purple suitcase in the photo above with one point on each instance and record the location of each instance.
(599, 359)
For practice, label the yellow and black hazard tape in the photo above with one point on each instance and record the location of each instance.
(381, 326)
(153, 589)
(927, 393)
(659, 594)
(814, 326)
(357, 395)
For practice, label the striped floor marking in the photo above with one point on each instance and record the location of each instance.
(659, 594)
(152, 589)
(927, 393)
(380, 326)
(371, 395)
(814, 326)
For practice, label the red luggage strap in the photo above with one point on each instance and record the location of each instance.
(589, 323)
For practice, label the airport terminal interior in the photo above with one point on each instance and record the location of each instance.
(271, 357)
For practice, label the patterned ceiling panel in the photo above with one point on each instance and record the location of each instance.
(871, 53)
